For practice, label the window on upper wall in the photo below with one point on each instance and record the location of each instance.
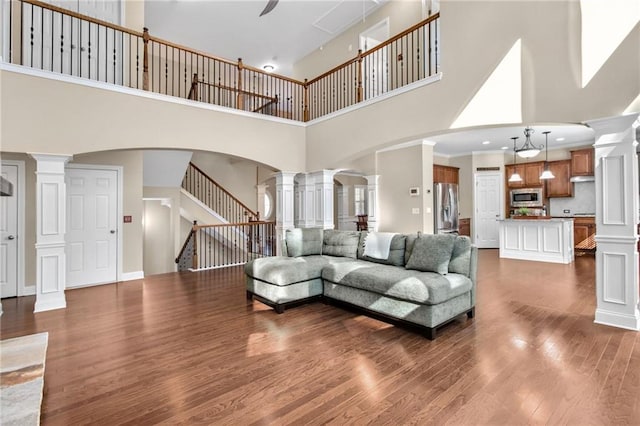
(359, 201)
(267, 205)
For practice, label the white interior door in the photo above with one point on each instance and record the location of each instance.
(488, 201)
(9, 235)
(92, 197)
(374, 67)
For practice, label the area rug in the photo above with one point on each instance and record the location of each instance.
(22, 379)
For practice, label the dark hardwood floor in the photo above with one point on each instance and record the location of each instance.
(187, 348)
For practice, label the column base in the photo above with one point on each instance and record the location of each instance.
(50, 305)
(616, 319)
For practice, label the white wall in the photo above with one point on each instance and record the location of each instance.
(89, 119)
(158, 239)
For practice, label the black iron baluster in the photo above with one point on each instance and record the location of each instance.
(114, 56)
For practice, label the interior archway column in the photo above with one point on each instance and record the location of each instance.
(285, 207)
(372, 202)
(305, 201)
(323, 203)
(616, 170)
(51, 265)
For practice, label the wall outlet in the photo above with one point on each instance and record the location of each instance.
(415, 210)
(428, 210)
(566, 211)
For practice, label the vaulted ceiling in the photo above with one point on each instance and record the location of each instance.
(235, 29)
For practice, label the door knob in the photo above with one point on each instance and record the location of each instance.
(11, 237)
(113, 231)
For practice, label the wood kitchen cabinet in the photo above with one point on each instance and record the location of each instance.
(529, 172)
(464, 227)
(584, 229)
(445, 174)
(560, 185)
(582, 162)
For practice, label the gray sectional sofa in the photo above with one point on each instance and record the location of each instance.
(423, 283)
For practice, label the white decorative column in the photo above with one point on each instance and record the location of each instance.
(344, 221)
(305, 201)
(261, 191)
(372, 202)
(284, 206)
(51, 263)
(323, 181)
(616, 167)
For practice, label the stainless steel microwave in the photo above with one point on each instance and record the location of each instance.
(526, 197)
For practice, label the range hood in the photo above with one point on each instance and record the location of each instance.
(582, 179)
(6, 187)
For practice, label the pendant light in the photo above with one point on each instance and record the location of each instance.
(528, 150)
(515, 177)
(546, 174)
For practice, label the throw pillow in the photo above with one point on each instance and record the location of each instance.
(431, 253)
(461, 256)
(303, 241)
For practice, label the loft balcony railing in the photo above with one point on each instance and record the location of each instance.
(50, 38)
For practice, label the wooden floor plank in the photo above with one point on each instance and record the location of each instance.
(188, 348)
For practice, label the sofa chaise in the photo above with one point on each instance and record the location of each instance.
(424, 282)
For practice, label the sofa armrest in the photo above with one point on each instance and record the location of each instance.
(473, 272)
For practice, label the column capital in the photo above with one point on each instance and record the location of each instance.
(372, 179)
(51, 158)
(616, 129)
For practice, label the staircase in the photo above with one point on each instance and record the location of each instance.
(239, 238)
(215, 197)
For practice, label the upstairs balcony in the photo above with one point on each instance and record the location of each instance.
(46, 37)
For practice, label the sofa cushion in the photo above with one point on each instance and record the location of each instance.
(303, 241)
(431, 253)
(428, 288)
(280, 270)
(396, 251)
(461, 256)
(340, 243)
(411, 241)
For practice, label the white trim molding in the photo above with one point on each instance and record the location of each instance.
(130, 276)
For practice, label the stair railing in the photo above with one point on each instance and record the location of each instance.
(218, 246)
(217, 198)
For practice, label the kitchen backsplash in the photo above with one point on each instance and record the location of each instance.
(583, 200)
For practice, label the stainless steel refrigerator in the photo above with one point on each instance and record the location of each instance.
(445, 208)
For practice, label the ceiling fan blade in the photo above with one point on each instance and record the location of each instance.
(269, 7)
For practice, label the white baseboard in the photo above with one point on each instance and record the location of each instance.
(615, 319)
(135, 275)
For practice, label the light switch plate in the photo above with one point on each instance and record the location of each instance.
(415, 210)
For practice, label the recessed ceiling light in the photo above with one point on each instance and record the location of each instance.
(269, 68)
(505, 147)
(559, 139)
(486, 142)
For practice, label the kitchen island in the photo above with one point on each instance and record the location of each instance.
(542, 240)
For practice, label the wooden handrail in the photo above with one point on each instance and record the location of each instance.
(374, 49)
(82, 17)
(233, 89)
(224, 190)
(227, 225)
(271, 102)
